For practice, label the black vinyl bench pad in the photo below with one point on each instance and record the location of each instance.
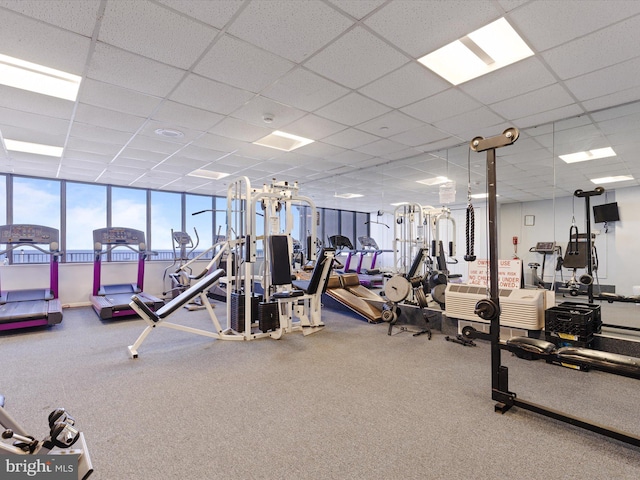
(181, 299)
(610, 362)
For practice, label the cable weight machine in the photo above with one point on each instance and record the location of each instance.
(489, 309)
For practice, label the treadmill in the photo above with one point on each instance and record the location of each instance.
(111, 301)
(34, 307)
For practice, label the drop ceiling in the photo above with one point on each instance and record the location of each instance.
(341, 72)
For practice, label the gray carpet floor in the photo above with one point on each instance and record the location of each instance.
(349, 402)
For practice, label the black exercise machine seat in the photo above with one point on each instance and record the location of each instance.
(181, 299)
(311, 286)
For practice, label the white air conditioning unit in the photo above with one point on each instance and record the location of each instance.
(519, 308)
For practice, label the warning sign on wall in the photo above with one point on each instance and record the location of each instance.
(509, 273)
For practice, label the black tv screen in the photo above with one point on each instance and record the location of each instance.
(606, 213)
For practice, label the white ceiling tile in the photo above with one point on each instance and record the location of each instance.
(462, 125)
(83, 145)
(319, 150)
(596, 51)
(421, 27)
(31, 102)
(350, 138)
(256, 109)
(389, 124)
(179, 115)
(242, 65)
(314, 127)
(381, 147)
(111, 65)
(356, 59)
(303, 89)
(548, 116)
(619, 77)
(353, 109)
(531, 103)
(272, 25)
(106, 118)
(443, 105)
(85, 160)
(79, 17)
(154, 143)
(233, 128)
(351, 157)
(104, 95)
(236, 161)
(214, 96)
(165, 42)
(31, 122)
(616, 98)
(408, 84)
(570, 19)
(357, 9)
(43, 44)
(99, 134)
(217, 142)
(510, 82)
(145, 155)
(214, 13)
(420, 136)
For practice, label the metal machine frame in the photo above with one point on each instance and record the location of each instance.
(489, 309)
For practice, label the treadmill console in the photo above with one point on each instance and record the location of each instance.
(545, 247)
(28, 234)
(118, 236)
(368, 242)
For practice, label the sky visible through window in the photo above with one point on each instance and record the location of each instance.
(38, 201)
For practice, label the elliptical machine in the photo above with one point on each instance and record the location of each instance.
(179, 276)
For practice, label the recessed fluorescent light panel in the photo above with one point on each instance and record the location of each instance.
(283, 141)
(37, 148)
(588, 155)
(434, 181)
(347, 195)
(619, 178)
(208, 174)
(399, 203)
(487, 49)
(29, 76)
(481, 195)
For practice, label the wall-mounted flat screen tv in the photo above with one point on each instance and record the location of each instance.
(607, 212)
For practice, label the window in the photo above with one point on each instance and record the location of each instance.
(362, 227)
(166, 214)
(86, 211)
(331, 224)
(347, 226)
(128, 209)
(200, 223)
(35, 202)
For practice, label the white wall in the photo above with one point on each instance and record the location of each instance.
(618, 248)
(76, 279)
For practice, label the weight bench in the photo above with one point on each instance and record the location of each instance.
(585, 358)
(157, 318)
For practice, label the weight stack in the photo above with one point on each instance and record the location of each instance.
(237, 310)
(268, 316)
